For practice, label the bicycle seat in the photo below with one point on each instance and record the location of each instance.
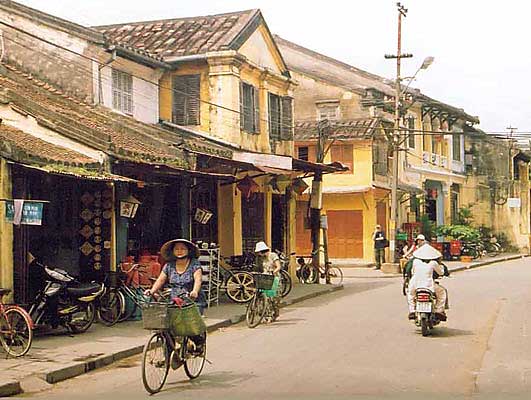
(4, 291)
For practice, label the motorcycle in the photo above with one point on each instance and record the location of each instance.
(65, 301)
(424, 315)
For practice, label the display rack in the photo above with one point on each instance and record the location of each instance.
(209, 259)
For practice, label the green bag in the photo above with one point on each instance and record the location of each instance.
(273, 292)
(187, 321)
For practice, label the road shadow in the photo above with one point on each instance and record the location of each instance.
(450, 332)
(218, 380)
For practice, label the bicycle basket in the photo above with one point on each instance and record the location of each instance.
(157, 316)
(264, 281)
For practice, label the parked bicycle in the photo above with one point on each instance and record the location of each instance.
(16, 328)
(163, 350)
(307, 273)
(263, 305)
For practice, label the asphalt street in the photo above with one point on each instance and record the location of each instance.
(357, 343)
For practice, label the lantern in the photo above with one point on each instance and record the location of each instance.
(299, 186)
(247, 186)
(129, 207)
(279, 183)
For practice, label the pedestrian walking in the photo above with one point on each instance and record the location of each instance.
(380, 243)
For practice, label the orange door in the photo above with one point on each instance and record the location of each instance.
(304, 242)
(345, 233)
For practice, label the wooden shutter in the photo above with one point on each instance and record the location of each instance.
(186, 99)
(256, 107)
(242, 107)
(286, 129)
(274, 116)
(344, 154)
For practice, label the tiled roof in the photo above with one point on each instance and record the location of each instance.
(345, 129)
(181, 36)
(95, 126)
(20, 146)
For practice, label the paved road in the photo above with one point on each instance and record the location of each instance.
(358, 342)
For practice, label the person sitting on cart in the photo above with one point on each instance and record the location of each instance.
(183, 272)
(268, 262)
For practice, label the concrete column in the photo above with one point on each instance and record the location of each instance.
(6, 231)
(268, 212)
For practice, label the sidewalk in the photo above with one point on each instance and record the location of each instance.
(354, 271)
(60, 356)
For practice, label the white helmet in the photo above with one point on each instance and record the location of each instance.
(261, 246)
(420, 236)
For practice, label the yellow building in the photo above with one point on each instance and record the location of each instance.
(228, 85)
(359, 109)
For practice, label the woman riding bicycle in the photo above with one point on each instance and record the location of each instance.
(268, 262)
(183, 272)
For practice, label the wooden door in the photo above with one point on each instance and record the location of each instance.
(345, 233)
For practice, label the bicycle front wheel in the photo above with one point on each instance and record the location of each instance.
(194, 360)
(336, 276)
(255, 310)
(155, 363)
(16, 334)
(307, 274)
(285, 283)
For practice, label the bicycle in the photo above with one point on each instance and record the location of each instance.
(238, 284)
(307, 273)
(264, 303)
(16, 328)
(163, 351)
(111, 304)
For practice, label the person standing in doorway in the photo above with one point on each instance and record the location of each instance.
(380, 243)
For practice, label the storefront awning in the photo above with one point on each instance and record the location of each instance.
(77, 173)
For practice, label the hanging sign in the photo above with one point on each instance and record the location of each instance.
(202, 216)
(24, 212)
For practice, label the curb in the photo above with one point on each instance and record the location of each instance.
(489, 262)
(75, 369)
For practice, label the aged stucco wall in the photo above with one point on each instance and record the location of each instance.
(6, 230)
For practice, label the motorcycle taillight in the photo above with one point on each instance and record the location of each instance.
(423, 297)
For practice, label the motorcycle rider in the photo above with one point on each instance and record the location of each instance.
(425, 264)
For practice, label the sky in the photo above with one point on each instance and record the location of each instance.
(479, 46)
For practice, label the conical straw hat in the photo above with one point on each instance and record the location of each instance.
(426, 252)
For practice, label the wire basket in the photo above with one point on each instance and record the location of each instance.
(157, 316)
(264, 281)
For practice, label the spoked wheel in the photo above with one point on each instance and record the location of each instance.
(155, 363)
(336, 276)
(405, 286)
(112, 304)
(240, 287)
(285, 283)
(16, 334)
(194, 360)
(255, 310)
(83, 319)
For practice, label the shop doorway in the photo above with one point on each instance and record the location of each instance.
(345, 233)
(278, 222)
(252, 221)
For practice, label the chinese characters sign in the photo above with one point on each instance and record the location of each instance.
(31, 212)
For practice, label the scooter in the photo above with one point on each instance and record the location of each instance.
(425, 316)
(65, 301)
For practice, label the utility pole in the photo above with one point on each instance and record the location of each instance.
(316, 198)
(511, 130)
(393, 222)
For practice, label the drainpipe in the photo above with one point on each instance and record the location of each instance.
(100, 67)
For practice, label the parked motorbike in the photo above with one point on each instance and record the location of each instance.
(65, 301)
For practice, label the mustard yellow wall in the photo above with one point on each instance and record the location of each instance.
(362, 169)
(6, 231)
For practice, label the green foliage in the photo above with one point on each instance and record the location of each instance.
(458, 232)
(464, 215)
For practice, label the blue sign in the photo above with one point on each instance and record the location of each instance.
(31, 212)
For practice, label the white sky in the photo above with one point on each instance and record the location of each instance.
(480, 58)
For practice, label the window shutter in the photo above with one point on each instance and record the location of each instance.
(256, 106)
(186, 99)
(242, 107)
(344, 155)
(274, 116)
(194, 89)
(286, 128)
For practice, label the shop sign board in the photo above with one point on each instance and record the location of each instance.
(24, 212)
